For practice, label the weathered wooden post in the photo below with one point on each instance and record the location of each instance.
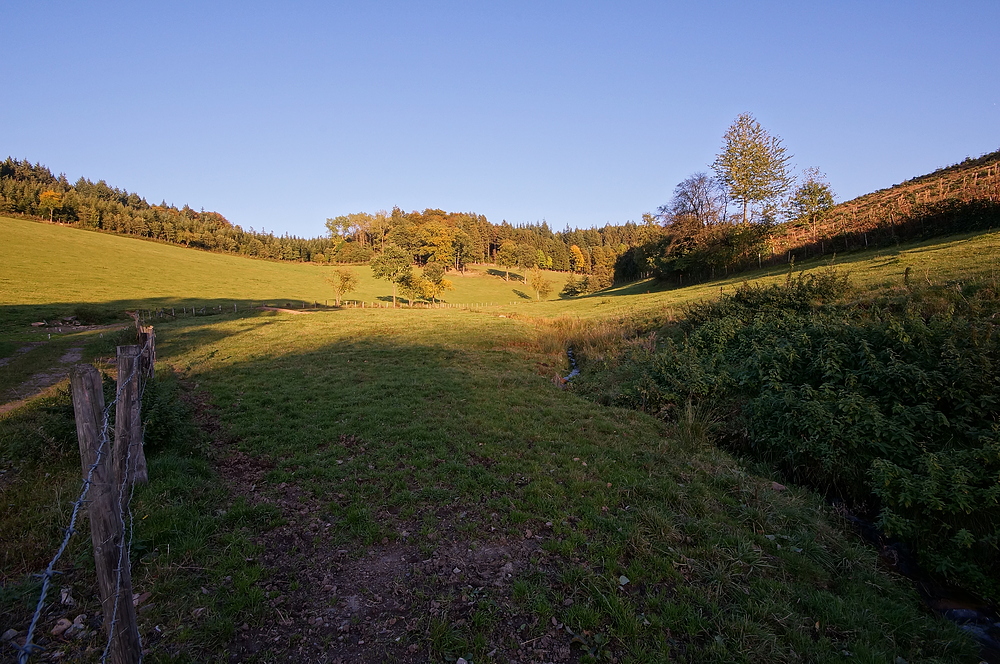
(147, 344)
(104, 510)
(129, 459)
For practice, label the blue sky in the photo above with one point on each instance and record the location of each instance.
(579, 113)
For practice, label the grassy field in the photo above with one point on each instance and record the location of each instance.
(412, 485)
(96, 271)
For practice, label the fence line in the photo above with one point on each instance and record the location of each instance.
(92, 423)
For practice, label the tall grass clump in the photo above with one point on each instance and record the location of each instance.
(889, 402)
(591, 340)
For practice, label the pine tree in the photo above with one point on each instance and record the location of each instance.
(812, 198)
(753, 164)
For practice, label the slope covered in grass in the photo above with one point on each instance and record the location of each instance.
(411, 475)
(410, 485)
(48, 271)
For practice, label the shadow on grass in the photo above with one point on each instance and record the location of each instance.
(17, 318)
(506, 275)
(403, 435)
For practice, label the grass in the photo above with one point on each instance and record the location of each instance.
(78, 268)
(314, 448)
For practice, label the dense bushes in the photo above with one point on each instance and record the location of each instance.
(891, 404)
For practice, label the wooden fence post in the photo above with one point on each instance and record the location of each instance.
(129, 459)
(104, 510)
(147, 342)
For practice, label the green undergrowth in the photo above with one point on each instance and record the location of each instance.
(888, 400)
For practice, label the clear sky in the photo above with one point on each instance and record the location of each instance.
(279, 115)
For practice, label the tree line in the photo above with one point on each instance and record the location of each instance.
(32, 190)
(451, 239)
(714, 223)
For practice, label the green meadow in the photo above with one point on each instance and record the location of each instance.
(416, 485)
(49, 270)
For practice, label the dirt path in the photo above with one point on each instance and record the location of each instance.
(20, 351)
(43, 380)
(287, 311)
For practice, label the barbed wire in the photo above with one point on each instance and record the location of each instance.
(29, 647)
(125, 549)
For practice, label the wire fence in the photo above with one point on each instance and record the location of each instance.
(139, 372)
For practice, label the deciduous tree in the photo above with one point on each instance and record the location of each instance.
(49, 200)
(412, 286)
(434, 281)
(698, 196)
(507, 257)
(393, 264)
(541, 285)
(577, 261)
(343, 282)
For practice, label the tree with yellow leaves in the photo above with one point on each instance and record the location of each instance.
(49, 200)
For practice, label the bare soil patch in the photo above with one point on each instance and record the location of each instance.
(287, 311)
(43, 380)
(20, 351)
(389, 601)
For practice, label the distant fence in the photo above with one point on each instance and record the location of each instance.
(167, 313)
(112, 466)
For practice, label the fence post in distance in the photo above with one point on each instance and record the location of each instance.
(129, 460)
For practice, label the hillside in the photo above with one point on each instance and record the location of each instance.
(959, 198)
(112, 273)
(410, 485)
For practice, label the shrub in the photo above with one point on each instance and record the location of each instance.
(891, 404)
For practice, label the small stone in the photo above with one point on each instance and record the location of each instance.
(65, 598)
(778, 487)
(508, 568)
(461, 660)
(73, 631)
(61, 627)
(623, 580)
(567, 602)
(456, 571)
(8, 635)
(79, 619)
